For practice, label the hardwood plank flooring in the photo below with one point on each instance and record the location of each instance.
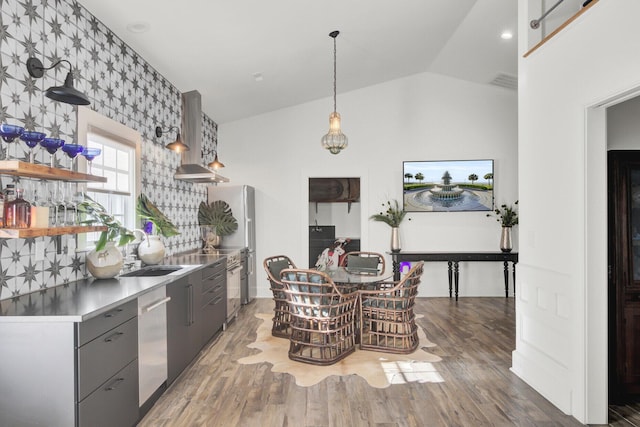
(474, 337)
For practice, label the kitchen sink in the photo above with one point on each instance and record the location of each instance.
(152, 270)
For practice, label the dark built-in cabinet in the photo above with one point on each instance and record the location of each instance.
(195, 314)
(624, 275)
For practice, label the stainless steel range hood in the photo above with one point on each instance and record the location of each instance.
(191, 169)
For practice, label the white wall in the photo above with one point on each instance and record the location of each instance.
(561, 322)
(420, 117)
(623, 126)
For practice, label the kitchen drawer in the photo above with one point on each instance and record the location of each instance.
(214, 290)
(214, 269)
(214, 313)
(104, 356)
(219, 278)
(115, 403)
(100, 324)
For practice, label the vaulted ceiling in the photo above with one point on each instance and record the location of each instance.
(247, 57)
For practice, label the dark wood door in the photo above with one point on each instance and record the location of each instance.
(624, 275)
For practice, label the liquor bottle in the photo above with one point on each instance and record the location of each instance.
(17, 212)
(7, 194)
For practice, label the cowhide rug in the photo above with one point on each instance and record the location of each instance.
(379, 369)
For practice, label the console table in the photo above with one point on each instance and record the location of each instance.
(453, 258)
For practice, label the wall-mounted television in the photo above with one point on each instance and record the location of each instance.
(447, 185)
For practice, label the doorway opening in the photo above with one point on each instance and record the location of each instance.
(334, 215)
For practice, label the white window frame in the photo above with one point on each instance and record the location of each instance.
(105, 130)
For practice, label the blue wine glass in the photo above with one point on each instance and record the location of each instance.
(72, 150)
(32, 139)
(91, 153)
(9, 133)
(52, 145)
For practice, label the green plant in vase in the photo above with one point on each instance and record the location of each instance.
(393, 215)
(152, 249)
(216, 220)
(105, 260)
(507, 216)
(148, 211)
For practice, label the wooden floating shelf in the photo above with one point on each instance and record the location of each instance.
(21, 233)
(31, 170)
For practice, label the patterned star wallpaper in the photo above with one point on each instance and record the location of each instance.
(122, 86)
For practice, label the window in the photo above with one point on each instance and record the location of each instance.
(117, 195)
(118, 162)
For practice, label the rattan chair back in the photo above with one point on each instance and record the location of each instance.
(387, 319)
(361, 261)
(323, 329)
(281, 319)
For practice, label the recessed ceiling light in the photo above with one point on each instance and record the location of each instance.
(138, 27)
(257, 77)
(506, 35)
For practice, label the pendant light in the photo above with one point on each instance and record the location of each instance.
(334, 140)
(178, 146)
(216, 164)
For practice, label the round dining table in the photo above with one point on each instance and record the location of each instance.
(354, 279)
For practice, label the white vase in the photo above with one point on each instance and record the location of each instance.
(106, 263)
(151, 250)
(505, 240)
(395, 239)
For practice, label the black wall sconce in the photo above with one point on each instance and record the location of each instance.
(178, 146)
(65, 93)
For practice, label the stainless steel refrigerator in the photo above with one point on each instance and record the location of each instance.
(241, 199)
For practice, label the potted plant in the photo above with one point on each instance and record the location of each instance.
(105, 260)
(392, 216)
(216, 220)
(507, 216)
(151, 250)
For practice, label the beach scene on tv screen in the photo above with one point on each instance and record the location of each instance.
(448, 185)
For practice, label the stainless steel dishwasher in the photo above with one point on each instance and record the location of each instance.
(152, 342)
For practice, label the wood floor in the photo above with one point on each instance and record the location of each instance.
(475, 338)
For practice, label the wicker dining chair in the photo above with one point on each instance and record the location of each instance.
(360, 260)
(281, 318)
(387, 320)
(323, 327)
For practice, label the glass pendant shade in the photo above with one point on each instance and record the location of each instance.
(334, 140)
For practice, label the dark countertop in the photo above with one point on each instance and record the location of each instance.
(84, 299)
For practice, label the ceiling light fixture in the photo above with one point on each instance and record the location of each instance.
(65, 93)
(506, 35)
(138, 27)
(334, 140)
(178, 146)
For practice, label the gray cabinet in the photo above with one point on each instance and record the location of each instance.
(195, 313)
(71, 374)
(214, 299)
(107, 370)
(183, 335)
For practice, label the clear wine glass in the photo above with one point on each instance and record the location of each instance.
(10, 133)
(76, 199)
(57, 200)
(72, 150)
(52, 145)
(91, 153)
(67, 197)
(32, 139)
